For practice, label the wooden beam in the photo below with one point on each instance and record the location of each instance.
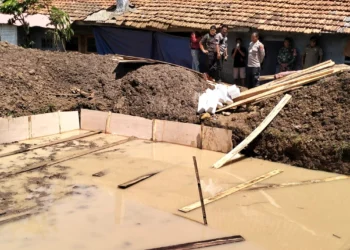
(200, 191)
(203, 243)
(230, 191)
(99, 174)
(50, 163)
(285, 81)
(137, 180)
(15, 217)
(280, 89)
(293, 184)
(19, 151)
(254, 134)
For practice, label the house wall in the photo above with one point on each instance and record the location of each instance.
(8, 33)
(332, 45)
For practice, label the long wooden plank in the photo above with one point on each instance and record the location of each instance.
(254, 134)
(281, 89)
(230, 191)
(283, 81)
(203, 243)
(50, 163)
(19, 151)
(15, 217)
(300, 183)
(137, 180)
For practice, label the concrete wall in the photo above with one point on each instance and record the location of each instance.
(8, 33)
(332, 45)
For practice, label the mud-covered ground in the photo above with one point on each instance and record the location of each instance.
(312, 131)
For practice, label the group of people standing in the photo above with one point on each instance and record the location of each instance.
(246, 62)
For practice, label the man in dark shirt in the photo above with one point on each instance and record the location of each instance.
(239, 54)
(208, 47)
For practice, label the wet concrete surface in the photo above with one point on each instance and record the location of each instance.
(79, 211)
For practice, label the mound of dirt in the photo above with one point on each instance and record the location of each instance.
(35, 81)
(311, 131)
(158, 91)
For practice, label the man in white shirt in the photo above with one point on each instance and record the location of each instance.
(256, 54)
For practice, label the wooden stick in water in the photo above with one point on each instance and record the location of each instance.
(200, 191)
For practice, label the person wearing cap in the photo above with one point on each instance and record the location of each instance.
(256, 55)
(208, 46)
(286, 56)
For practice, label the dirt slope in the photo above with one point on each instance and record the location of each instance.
(312, 131)
(34, 81)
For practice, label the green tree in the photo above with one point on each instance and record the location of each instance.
(62, 31)
(19, 10)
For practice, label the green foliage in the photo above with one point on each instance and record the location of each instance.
(59, 19)
(19, 11)
(62, 31)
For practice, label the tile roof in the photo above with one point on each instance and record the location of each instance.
(302, 16)
(80, 9)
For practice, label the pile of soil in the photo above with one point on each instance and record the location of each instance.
(312, 131)
(35, 81)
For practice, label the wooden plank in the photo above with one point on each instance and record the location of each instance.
(203, 243)
(178, 133)
(50, 163)
(100, 174)
(200, 191)
(254, 134)
(280, 89)
(284, 81)
(293, 184)
(14, 129)
(137, 180)
(231, 191)
(216, 139)
(15, 217)
(45, 124)
(50, 143)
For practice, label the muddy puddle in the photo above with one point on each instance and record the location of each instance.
(79, 211)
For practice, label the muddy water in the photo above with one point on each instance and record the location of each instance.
(313, 217)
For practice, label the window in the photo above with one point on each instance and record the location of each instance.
(73, 44)
(91, 45)
(46, 43)
(347, 60)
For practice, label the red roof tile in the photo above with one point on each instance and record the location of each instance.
(80, 9)
(279, 15)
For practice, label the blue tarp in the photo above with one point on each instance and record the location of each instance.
(111, 40)
(172, 49)
(147, 44)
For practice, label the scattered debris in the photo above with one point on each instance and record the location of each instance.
(200, 191)
(336, 236)
(137, 180)
(254, 134)
(203, 243)
(293, 184)
(100, 174)
(231, 191)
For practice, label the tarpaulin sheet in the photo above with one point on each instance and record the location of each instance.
(111, 40)
(147, 44)
(172, 49)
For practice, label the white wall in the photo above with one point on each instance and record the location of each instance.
(332, 45)
(8, 33)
